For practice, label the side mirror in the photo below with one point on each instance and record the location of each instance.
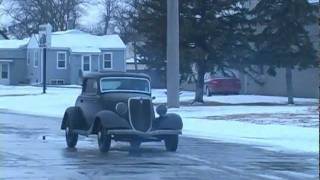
(162, 110)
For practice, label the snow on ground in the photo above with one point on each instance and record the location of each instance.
(212, 122)
(270, 136)
(232, 99)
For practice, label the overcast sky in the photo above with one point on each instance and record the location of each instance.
(90, 17)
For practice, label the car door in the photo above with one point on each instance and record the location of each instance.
(89, 100)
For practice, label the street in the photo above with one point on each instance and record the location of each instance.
(26, 154)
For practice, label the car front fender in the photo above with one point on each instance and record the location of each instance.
(109, 120)
(75, 118)
(169, 121)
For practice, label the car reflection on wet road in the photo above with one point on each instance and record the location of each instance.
(25, 154)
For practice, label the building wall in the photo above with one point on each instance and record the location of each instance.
(53, 73)
(118, 63)
(76, 66)
(305, 84)
(33, 72)
(12, 53)
(17, 66)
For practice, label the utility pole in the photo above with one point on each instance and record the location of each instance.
(44, 78)
(173, 75)
(44, 30)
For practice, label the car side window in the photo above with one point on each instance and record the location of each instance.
(90, 87)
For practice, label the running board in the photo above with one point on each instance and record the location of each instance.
(82, 132)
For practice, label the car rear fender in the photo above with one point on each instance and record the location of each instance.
(109, 120)
(169, 121)
(75, 118)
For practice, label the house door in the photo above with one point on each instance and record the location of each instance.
(86, 64)
(4, 73)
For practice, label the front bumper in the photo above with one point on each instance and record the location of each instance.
(148, 134)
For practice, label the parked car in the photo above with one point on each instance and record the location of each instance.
(222, 83)
(118, 106)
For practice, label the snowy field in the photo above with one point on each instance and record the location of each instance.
(277, 127)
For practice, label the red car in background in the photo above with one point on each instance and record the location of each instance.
(226, 83)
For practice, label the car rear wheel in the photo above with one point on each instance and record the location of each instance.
(171, 143)
(104, 140)
(71, 137)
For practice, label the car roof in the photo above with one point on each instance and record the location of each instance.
(98, 75)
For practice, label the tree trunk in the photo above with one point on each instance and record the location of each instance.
(200, 85)
(289, 85)
(243, 79)
(106, 25)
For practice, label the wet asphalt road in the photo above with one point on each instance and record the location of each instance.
(25, 155)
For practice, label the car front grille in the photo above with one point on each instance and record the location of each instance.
(140, 113)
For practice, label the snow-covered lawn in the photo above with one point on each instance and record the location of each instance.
(271, 135)
(278, 127)
(188, 96)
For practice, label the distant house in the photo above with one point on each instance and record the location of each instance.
(13, 61)
(70, 55)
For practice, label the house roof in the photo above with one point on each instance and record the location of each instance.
(98, 75)
(79, 41)
(13, 43)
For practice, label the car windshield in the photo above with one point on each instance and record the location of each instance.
(125, 84)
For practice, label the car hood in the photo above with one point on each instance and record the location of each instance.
(112, 98)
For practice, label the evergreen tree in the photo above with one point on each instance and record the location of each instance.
(213, 33)
(149, 23)
(284, 41)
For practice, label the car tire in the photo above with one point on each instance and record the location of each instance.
(171, 143)
(104, 140)
(208, 93)
(71, 137)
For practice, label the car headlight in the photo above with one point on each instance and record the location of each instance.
(162, 110)
(121, 108)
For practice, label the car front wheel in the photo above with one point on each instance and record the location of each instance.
(71, 137)
(104, 140)
(171, 143)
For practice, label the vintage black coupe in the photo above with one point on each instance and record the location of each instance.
(118, 106)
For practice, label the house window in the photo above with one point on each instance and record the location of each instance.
(107, 61)
(36, 59)
(86, 63)
(61, 60)
(4, 69)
